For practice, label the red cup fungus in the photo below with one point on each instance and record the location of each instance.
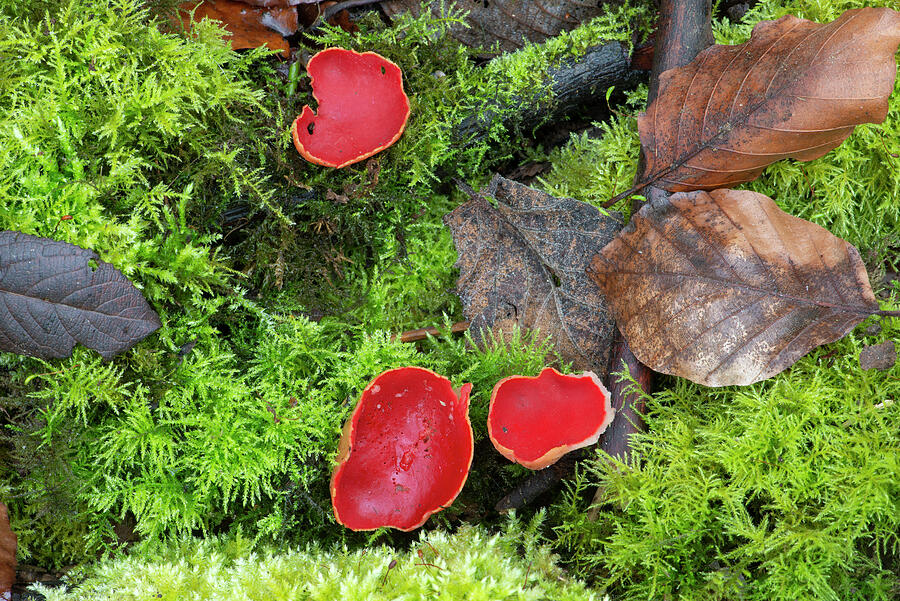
(535, 421)
(405, 452)
(362, 108)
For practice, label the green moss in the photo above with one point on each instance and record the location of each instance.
(782, 490)
(116, 137)
(594, 167)
(469, 564)
(786, 489)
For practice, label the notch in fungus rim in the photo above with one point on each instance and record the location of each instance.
(307, 110)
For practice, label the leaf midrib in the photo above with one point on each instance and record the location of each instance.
(859, 309)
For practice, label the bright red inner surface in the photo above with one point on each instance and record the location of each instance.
(531, 416)
(362, 107)
(410, 452)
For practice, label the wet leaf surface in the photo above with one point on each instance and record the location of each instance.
(878, 356)
(54, 294)
(522, 263)
(249, 26)
(796, 89)
(725, 288)
(8, 543)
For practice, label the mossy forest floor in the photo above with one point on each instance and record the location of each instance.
(198, 462)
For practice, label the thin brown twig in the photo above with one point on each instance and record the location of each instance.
(423, 333)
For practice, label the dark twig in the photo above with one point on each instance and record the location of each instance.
(334, 9)
(629, 407)
(684, 31)
(538, 483)
(423, 333)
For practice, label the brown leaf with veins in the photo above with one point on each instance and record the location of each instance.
(249, 26)
(523, 264)
(8, 544)
(725, 288)
(795, 89)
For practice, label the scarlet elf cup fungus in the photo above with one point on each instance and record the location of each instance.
(535, 421)
(362, 108)
(405, 452)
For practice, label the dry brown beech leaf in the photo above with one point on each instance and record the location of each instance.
(8, 543)
(54, 294)
(249, 26)
(725, 288)
(795, 89)
(524, 264)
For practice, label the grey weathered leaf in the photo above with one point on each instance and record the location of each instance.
(726, 288)
(54, 294)
(878, 356)
(523, 263)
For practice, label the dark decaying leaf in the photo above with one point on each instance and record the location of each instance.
(878, 356)
(54, 294)
(725, 288)
(796, 89)
(8, 543)
(510, 23)
(523, 263)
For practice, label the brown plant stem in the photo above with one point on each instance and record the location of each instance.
(684, 31)
(629, 406)
(538, 483)
(423, 333)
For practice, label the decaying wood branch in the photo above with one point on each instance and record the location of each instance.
(573, 84)
(538, 483)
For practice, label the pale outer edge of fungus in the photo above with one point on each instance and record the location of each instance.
(554, 454)
(345, 450)
(317, 161)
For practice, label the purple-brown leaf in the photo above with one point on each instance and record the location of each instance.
(725, 288)
(54, 294)
(523, 264)
(796, 89)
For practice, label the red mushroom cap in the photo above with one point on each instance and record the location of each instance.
(535, 421)
(362, 108)
(405, 452)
